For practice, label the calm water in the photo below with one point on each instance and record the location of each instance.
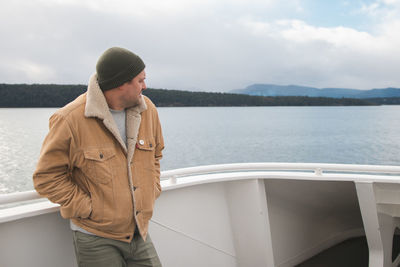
(201, 136)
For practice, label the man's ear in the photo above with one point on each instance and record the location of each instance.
(121, 88)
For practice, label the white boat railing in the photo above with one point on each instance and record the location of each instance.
(316, 169)
(18, 197)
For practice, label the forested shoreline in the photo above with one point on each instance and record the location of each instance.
(56, 95)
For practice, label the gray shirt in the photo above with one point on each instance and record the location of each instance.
(120, 119)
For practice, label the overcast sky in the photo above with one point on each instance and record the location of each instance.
(207, 45)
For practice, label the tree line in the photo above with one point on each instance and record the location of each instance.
(56, 95)
(176, 98)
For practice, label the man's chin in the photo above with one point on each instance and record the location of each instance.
(138, 101)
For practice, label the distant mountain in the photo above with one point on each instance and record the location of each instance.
(294, 90)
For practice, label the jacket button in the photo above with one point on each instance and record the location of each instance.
(101, 156)
(137, 212)
(134, 188)
(127, 237)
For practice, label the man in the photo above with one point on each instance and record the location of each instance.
(100, 162)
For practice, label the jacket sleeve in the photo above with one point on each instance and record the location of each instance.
(52, 178)
(158, 153)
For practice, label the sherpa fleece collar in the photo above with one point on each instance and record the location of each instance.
(96, 106)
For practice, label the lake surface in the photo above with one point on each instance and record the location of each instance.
(213, 135)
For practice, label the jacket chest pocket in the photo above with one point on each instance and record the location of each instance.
(144, 153)
(98, 164)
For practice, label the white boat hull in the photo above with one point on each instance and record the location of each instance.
(234, 218)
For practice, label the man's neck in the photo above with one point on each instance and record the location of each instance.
(113, 101)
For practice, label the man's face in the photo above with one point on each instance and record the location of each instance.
(132, 90)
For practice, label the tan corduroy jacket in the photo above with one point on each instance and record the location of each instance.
(102, 185)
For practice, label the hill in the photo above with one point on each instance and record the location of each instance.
(53, 95)
(295, 90)
(162, 98)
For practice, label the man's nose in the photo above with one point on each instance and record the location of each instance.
(144, 86)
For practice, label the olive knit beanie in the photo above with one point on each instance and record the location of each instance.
(117, 66)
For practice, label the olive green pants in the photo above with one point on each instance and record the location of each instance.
(95, 251)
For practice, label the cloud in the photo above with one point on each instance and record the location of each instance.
(203, 45)
(32, 70)
(24, 70)
(333, 57)
(382, 10)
